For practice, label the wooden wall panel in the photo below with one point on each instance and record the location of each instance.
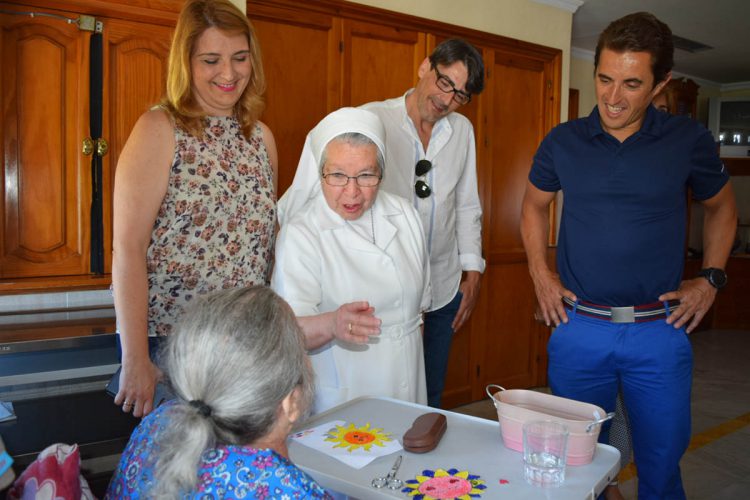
(302, 67)
(380, 62)
(518, 92)
(464, 361)
(520, 103)
(731, 308)
(512, 338)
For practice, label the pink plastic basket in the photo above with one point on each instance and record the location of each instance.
(517, 406)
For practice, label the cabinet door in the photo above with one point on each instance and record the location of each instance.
(463, 364)
(380, 61)
(46, 179)
(302, 66)
(135, 68)
(522, 106)
(502, 343)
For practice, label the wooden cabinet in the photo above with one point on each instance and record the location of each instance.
(44, 228)
(45, 232)
(372, 51)
(135, 70)
(731, 309)
(303, 74)
(318, 56)
(323, 55)
(502, 344)
(316, 61)
(521, 104)
(682, 96)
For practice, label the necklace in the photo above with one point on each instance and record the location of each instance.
(372, 224)
(360, 227)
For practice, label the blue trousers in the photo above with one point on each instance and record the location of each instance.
(438, 335)
(651, 362)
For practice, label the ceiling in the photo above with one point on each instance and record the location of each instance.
(721, 24)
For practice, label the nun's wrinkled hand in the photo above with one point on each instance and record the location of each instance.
(355, 322)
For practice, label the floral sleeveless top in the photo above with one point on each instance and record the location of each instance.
(215, 227)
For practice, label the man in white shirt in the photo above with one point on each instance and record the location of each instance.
(431, 160)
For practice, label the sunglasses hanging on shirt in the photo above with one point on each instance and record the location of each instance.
(421, 188)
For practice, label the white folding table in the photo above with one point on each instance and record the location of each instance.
(470, 444)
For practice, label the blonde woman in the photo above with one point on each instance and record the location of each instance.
(194, 201)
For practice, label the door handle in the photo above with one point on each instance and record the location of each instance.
(88, 146)
(102, 147)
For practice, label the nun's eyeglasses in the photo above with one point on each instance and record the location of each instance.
(362, 180)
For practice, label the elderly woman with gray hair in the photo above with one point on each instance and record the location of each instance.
(242, 378)
(353, 245)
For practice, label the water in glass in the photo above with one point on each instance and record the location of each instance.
(545, 445)
(544, 469)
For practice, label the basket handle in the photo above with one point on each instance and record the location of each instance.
(487, 390)
(600, 421)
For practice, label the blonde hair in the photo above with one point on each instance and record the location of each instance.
(195, 18)
(239, 352)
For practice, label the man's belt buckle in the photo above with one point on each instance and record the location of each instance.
(622, 314)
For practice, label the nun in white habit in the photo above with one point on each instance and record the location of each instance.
(353, 264)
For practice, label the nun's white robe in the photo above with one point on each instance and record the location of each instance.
(324, 261)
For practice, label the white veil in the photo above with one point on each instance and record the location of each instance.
(306, 184)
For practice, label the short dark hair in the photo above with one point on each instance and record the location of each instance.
(456, 49)
(640, 32)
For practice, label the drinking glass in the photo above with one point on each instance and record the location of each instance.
(545, 445)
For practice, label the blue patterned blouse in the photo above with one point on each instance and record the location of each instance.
(224, 472)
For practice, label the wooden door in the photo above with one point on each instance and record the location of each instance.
(380, 61)
(301, 60)
(523, 100)
(463, 364)
(135, 68)
(46, 179)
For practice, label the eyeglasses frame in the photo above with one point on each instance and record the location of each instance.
(349, 178)
(456, 92)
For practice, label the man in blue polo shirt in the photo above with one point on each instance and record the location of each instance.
(619, 303)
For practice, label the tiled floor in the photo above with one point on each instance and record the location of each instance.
(717, 463)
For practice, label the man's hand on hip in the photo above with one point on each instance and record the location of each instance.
(549, 293)
(695, 296)
(470, 289)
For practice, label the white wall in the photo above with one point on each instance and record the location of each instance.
(242, 4)
(582, 78)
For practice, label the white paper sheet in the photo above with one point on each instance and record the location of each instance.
(354, 445)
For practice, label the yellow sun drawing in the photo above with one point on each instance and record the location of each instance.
(442, 484)
(357, 437)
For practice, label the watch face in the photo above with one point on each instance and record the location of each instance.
(717, 278)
